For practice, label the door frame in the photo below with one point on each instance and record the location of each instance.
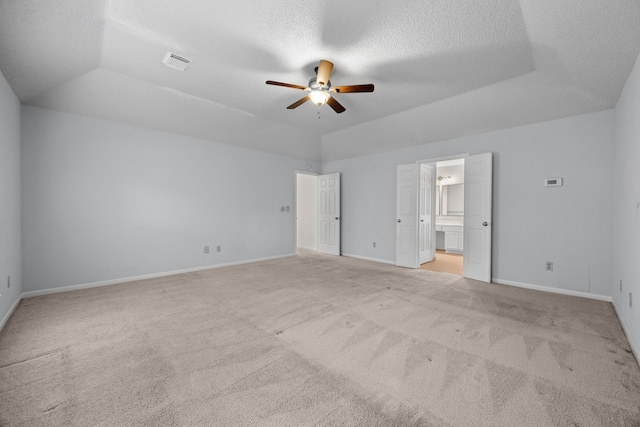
(295, 206)
(436, 160)
(453, 157)
(433, 207)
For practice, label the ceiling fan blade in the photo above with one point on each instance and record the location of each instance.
(337, 107)
(298, 103)
(352, 88)
(324, 72)
(271, 82)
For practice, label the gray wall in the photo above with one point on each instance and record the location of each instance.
(570, 225)
(627, 202)
(10, 229)
(104, 201)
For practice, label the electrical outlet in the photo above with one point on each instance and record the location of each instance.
(548, 266)
(287, 208)
(374, 244)
(281, 208)
(630, 299)
(219, 248)
(206, 249)
(620, 285)
(8, 281)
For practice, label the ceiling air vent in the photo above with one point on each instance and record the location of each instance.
(176, 62)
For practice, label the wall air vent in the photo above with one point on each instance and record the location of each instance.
(553, 182)
(176, 62)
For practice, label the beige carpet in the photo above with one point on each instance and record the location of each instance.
(445, 263)
(315, 340)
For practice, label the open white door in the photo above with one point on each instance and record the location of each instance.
(329, 204)
(477, 217)
(407, 216)
(426, 227)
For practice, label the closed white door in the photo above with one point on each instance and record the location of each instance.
(477, 217)
(407, 216)
(426, 226)
(329, 215)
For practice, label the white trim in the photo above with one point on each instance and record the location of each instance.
(298, 171)
(143, 277)
(383, 261)
(552, 290)
(444, 158)
(634, 348)
(10, 312)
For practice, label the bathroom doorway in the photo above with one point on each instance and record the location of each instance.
(449, 214)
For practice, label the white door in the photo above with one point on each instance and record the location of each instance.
(329, 204)
(407, 216)
(477, 217)
(426, 227)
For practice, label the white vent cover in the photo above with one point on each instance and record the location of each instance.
(176, 62)
(553, 182)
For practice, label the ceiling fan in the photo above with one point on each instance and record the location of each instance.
(320, 88)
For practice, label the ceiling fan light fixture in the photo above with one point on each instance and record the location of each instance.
(320, 87)
(319, 97)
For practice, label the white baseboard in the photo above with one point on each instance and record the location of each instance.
(383, 261)
(143, 277)
(10, 312)
(635, 349)
(552, 290)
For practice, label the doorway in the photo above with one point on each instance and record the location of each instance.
(473, 239)
(306, 211)
(317, 215)
(445, 262)
(449, 213)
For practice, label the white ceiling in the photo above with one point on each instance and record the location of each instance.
(441, 68)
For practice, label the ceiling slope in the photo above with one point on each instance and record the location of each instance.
(441, 69)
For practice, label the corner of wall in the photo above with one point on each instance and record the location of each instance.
(10, 202)
(626, 279)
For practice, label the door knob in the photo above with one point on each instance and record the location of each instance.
(337, 217)
(399, 220)
(422, 220)
(485, 223)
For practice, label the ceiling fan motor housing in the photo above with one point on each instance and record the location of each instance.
(313, 85)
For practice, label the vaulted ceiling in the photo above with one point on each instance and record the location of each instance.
(441, 68)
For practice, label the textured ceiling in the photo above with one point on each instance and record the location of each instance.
(442, 68)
